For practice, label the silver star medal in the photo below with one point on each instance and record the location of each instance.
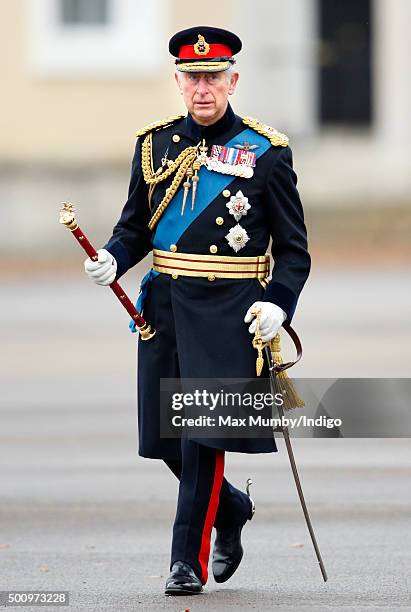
(238, 205)
(237, 237)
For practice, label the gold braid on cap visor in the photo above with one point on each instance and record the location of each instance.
(204, 66)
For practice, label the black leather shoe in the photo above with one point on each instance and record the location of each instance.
(183, 580)
(228, 551)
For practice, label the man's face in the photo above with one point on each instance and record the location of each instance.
(206, 94)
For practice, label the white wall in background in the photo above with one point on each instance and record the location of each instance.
(131, 42)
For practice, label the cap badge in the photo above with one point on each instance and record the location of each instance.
(201, 47)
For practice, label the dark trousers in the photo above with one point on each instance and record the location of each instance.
(205, 499)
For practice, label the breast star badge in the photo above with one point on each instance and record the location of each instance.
(237, 237)
(238, 205)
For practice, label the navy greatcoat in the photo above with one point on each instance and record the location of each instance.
(199, 323)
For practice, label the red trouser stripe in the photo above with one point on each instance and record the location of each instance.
(211, 514)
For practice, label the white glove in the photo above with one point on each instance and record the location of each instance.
(272, 317)
(103, 271)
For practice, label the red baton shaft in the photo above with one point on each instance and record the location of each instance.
(68, 219)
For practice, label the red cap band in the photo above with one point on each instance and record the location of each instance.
(216, 50)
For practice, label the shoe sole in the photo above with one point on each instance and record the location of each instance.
(182, 592)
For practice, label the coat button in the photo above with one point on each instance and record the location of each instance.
(174, 275)
(173, 248)
(176, 138)
(226, 193)
(219, 220)
(211, 277)
(213, 248)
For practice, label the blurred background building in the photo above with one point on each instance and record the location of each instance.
(79, 77)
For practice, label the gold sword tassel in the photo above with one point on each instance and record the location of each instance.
(258, 344)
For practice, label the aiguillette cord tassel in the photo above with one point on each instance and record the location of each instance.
(194, 180)
(186, 186)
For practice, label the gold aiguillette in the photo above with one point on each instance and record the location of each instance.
(192, 173)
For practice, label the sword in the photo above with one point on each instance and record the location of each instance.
(68, 219)
(275, 369)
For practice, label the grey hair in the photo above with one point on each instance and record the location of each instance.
(229, 73)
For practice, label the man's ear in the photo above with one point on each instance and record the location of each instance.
(233, 84)
(178, 82)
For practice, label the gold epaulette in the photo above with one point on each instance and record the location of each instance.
(156, 125)
(276, 138)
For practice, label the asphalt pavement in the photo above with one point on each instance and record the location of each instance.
(81, 512)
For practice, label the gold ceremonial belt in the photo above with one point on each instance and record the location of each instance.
(210, 266)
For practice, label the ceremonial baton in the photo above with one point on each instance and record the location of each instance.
(67, 218)
(275, 369)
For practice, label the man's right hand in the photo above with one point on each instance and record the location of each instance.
(103, 271)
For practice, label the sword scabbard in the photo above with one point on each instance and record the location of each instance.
(274, 370)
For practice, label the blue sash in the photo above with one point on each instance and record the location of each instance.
(173, 224)
(151, 274)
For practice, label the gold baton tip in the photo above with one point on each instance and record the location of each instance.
(67, 216)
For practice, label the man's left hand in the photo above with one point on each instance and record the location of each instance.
(272, 317)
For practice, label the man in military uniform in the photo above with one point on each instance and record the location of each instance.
(208, 190)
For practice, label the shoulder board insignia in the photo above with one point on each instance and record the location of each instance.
(276, 138)
(157, 125)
